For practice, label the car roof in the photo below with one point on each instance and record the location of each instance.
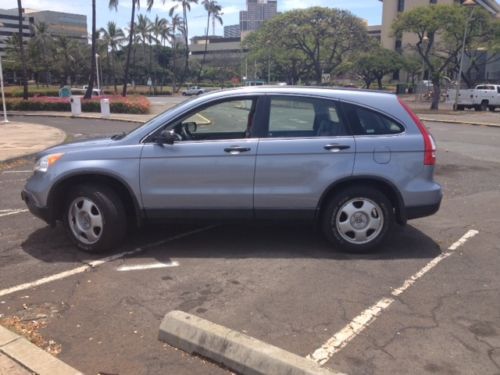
(334, 92)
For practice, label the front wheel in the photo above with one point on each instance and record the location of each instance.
(94, 218)
(357, 219)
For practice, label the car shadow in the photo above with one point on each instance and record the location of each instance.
(242, 240)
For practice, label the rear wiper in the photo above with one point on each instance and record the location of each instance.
(118, 136)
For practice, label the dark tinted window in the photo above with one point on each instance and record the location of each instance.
(304, 117)
(367, 122)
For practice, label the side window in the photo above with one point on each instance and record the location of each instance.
(226, 120)
(304, 117)
(367, 122)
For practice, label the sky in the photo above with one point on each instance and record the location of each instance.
(370, 10)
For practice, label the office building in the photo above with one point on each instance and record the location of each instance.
(70, 25)
(257, 12)
(9, 25)
(59, 24)
(232, 31)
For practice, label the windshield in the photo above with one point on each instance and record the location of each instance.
(151, 120)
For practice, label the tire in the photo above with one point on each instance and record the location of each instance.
(370, 210)
(478, 108)
(484, 105)
(460, 107)
(94, 218)
(491, 108)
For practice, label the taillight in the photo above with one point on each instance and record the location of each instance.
(429, 144)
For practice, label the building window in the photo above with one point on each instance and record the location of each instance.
(401, 5)
(398, 45)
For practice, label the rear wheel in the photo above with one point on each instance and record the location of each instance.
(491, 108)
(94, 218)
(484, 105)
(357, 219)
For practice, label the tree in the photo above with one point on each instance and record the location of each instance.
(186, 7)
(213, 11)
(90, 87)
(114, 4)
(376, 63)
(42, 42)
(21, 49)
(317, 39)
(177, 26)
(112, 37)
(439, 30)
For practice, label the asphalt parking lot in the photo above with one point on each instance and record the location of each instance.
(282, 284)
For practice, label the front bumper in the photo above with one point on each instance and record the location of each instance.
(40, 212)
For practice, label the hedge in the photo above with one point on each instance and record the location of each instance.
(118, 104)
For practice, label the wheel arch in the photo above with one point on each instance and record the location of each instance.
(120, 187)
(383, 185)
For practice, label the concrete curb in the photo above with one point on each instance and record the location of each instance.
(235, 350)
(32, 357)
(423, 118)
(86, 117)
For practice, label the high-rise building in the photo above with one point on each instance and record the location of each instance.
(9, 25)
(59, 24)
(257, 12)
(70, 25)
(232, 31)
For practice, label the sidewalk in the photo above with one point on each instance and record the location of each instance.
(20, 138)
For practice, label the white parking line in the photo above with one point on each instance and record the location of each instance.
(13, 211)
(96, 263)
(24, 171)
(140, 267)
(340, 340)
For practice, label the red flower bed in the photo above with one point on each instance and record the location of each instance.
(118, 104)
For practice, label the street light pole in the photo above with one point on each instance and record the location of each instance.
(3, 94)
(468, 4)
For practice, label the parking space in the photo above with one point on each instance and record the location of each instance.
(282, 284)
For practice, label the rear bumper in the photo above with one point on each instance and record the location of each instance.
(40, 212)
(422, 211)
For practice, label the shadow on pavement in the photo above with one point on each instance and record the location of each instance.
(228, 241)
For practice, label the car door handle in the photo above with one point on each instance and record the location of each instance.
(336, 147)
(236, 149)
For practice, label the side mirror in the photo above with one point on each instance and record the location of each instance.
(166, 136)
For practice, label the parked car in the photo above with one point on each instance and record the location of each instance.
(193, 90)
(352, 161)
(481, 98)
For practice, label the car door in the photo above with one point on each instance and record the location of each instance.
(207, 172)
(307, 148)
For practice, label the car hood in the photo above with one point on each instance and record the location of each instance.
(78, 145)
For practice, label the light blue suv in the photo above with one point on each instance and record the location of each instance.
(353, 162)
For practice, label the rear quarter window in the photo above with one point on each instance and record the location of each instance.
(364, 121)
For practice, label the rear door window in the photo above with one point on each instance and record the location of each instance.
(365, 121)
(304, 117)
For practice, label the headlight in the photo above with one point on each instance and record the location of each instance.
(43, 164)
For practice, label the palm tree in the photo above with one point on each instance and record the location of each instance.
(213, 11)
(43, 42)
(114, 4)
(216, 11)
(113, 37)
(65, 48)
(177, 26)
(186, 7)
(143, 29)
(21, 48)
(90, 87)
(160, 29)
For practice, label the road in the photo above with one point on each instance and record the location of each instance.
(282, 284)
